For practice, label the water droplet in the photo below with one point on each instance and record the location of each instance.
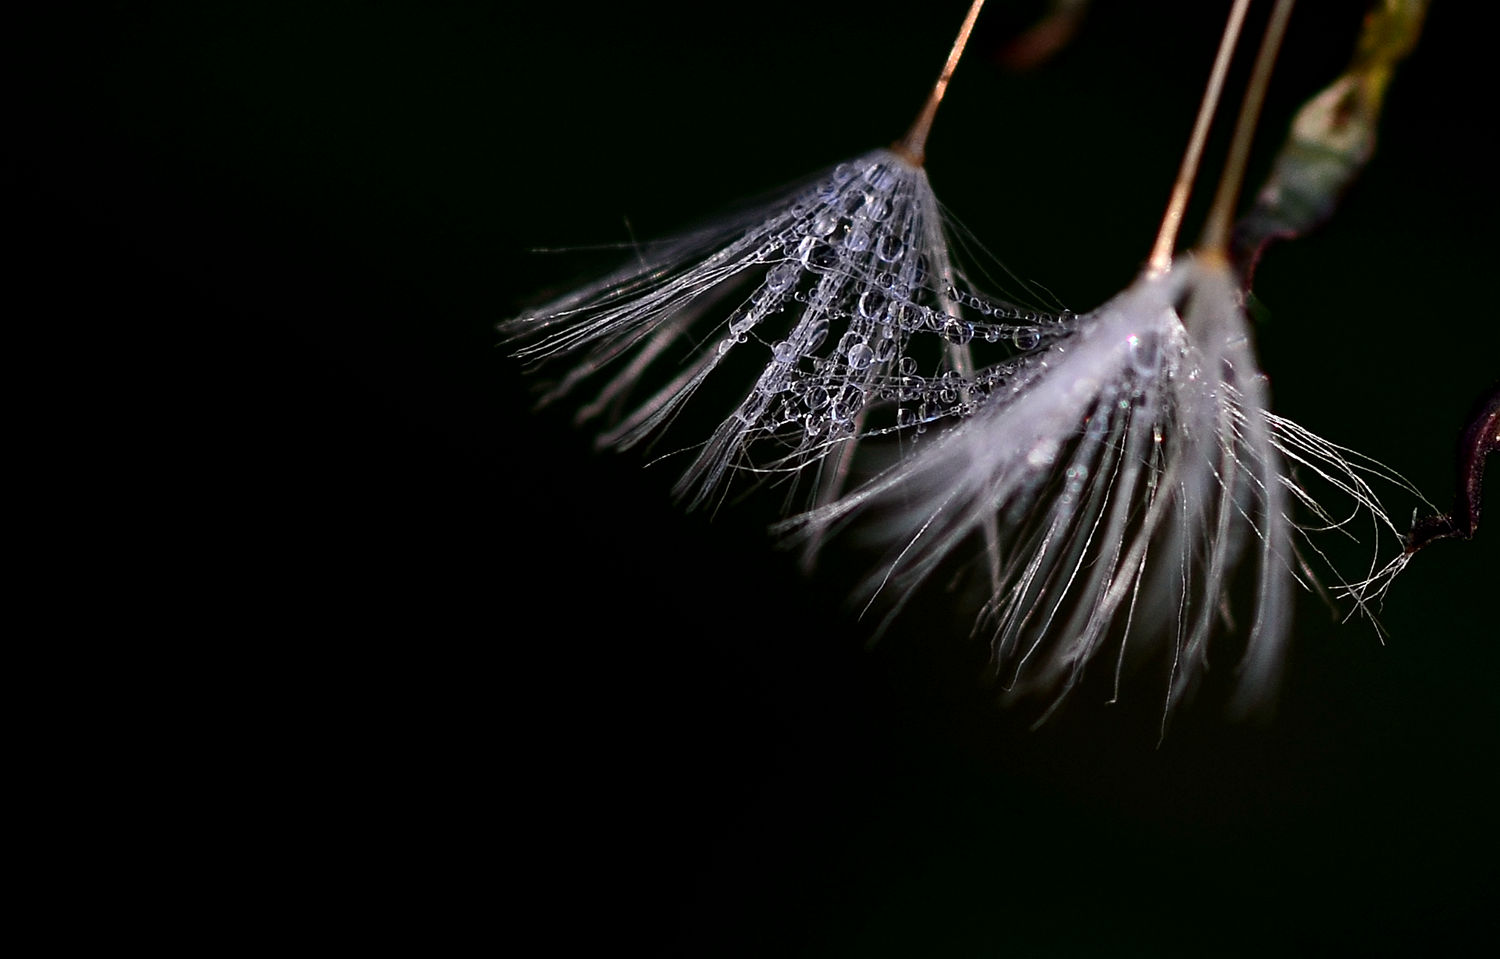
(816, 334)
(906, 315)
(1025, 338)
(907, 366)
(958, 332)
(890, 248)
(784, 352)
(905, 418)
(851, 398)
(1145, 357)
(872, 304)
(816, 255)
(919, 270)
(816, 398)
(824, 223)
(884, 349)
(782, 277)
(860, 357)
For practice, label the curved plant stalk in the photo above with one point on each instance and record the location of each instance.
(1480, 440)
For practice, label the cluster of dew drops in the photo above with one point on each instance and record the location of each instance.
(859, 261)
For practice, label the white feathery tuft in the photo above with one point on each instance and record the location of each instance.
(1115, 480)
(828, 287)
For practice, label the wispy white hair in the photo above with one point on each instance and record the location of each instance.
(1115, 480)
(832, 287)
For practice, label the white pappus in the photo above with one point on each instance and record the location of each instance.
(1113, 482)
(842, 290)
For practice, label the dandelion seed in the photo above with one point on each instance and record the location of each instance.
(1125, 473)
(817, 283)
(828, 287)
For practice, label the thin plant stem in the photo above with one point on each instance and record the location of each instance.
(1220, 217)
(1166, 238)
(913, 146)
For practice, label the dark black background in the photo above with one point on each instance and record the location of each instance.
(461, 677)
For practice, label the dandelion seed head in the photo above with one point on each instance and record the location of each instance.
(1113, 490)
(844, 288)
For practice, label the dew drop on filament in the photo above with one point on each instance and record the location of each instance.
(958, 332)
(860, 357)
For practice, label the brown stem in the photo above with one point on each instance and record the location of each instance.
(913, 146)
(1166, 238)
(1220, 216)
